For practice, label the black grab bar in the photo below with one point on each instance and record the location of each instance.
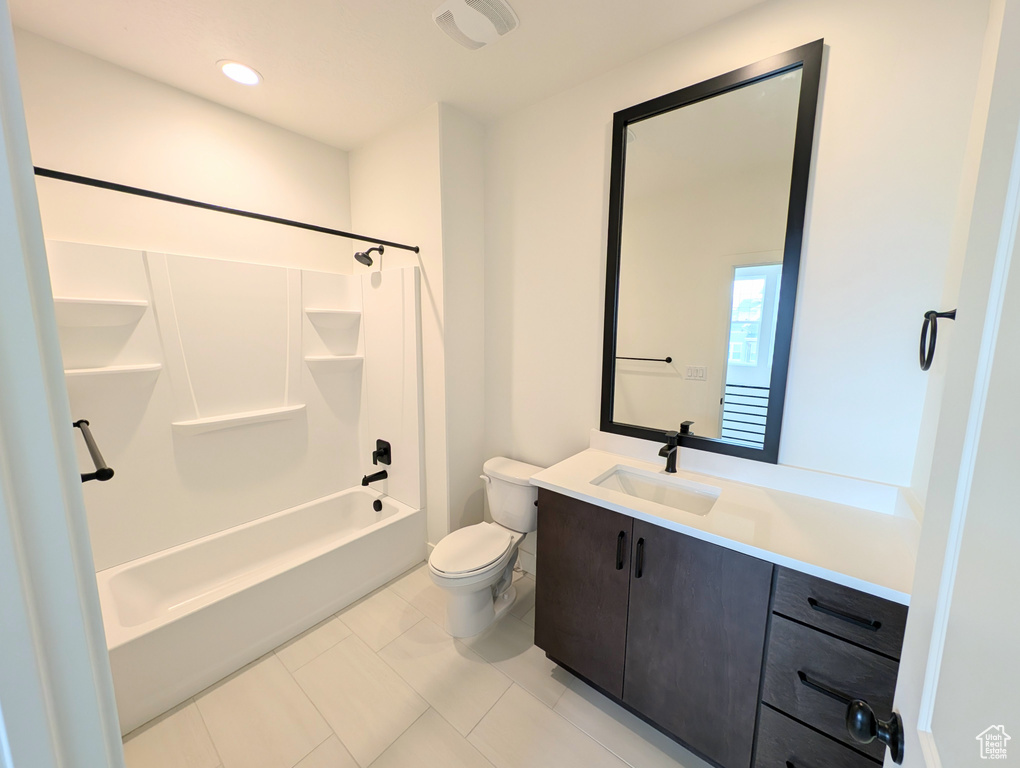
(103, 472)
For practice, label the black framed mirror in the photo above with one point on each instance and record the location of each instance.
(708, 189)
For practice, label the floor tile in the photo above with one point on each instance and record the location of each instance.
(509, 646)
(381, 618)
(329, 754)
(416, 587)
(529, 618)
(431, 743)
(310, 644)
(178, 739)
(260, 718)
(521, 732)
(455, 680)
(365, 701)
(628, 737)
(525, 601)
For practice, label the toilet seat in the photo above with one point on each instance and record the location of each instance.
(472, 549)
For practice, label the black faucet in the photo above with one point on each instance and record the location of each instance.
(380, 475)
(669, 451)
(381, 453)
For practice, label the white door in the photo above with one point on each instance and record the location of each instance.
(959, 684)
(56, 693)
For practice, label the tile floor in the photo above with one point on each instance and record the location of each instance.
(381, 684)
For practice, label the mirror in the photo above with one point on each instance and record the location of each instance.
(707, 199)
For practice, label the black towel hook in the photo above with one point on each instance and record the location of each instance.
(931, 318)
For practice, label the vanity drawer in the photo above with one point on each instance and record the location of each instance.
(863, 619)
(801, 659)
(783, 743)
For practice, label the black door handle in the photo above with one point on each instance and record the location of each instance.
(639, 559)
(864, 728)
(619, 550)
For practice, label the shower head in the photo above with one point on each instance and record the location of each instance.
(365, 257)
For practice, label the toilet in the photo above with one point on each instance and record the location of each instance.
(475, 565)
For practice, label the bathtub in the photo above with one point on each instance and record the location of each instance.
(181, 619)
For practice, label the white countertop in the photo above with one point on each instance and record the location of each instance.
(869, 551)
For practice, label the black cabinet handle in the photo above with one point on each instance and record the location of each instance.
(639, 559)
(858, 621)
(864, 728)
(832, 693)
(619, 550)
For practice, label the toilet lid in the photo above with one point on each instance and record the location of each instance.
(471, 549)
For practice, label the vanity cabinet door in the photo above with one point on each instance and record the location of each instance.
(581, 595)
(697, 617)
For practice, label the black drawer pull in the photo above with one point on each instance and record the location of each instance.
(639, 559)
(619, 550)
(874, 626)
(832, 693)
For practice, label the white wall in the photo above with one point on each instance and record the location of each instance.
(462, 159)
(898, 89)
(420, 184)
(89, 117)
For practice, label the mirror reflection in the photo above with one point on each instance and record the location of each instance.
(704, 219)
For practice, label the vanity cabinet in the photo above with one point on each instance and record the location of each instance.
(828, 645)
(746, 663)
(672, 626)
(696, 633)
(583, 594)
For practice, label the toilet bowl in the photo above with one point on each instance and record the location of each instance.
(474, 565)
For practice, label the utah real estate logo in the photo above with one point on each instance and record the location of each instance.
(992, 742)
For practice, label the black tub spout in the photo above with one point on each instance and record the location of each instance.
(380, 475)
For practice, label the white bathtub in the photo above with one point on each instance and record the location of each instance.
(181, 619)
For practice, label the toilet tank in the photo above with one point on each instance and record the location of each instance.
(511, 495)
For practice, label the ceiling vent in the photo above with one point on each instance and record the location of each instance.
(474, 23)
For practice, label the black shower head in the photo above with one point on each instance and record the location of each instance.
(365, 257)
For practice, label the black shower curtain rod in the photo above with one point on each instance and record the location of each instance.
(113, 187)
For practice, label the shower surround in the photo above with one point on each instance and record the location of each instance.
(239, 405)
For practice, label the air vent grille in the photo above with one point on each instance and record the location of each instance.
(449, 26)
(498, 13)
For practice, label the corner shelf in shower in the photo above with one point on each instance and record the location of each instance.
(334, 319)
(97, 313)
(336, 362)
(107, 370)
(230, 420)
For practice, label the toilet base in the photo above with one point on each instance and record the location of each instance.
(467, 614)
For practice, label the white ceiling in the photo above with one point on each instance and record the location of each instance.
(342, 71)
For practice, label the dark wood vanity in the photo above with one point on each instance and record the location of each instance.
(744, 662)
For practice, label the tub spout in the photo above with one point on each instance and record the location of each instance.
(380, 475)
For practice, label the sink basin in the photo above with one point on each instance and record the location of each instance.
(683, 495)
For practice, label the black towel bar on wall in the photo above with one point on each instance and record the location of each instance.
(649, 359)
(931, 318)
(102, 472)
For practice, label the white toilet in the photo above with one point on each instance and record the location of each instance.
(475, 565)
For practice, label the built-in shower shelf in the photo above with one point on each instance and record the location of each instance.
(334, 319)
(107, 370)
(336, 361)
(97, 313)
(230, 420)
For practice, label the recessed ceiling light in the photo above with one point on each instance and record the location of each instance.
(240, 73)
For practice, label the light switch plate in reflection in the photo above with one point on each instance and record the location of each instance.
(697, 372)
